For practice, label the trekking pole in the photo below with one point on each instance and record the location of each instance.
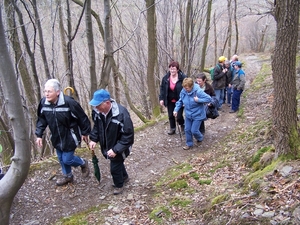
(179, 130)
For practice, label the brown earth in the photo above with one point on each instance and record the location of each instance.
(39, 201)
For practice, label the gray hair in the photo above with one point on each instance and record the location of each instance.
(53, 83)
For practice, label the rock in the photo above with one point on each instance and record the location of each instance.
(268, 214)
(296, 215)
(285, 171)
(258, 212)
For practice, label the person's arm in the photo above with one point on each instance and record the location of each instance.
(126, 133)
(82, 119)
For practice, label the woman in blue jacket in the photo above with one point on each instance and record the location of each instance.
(192, 97)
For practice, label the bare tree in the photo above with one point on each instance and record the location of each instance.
(90, 38)
(284, 112)
(152, 55)
(207, 28)
(19, 168)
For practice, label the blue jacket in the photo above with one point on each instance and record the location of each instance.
(193, 110)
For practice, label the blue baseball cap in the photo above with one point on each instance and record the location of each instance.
(99, 97)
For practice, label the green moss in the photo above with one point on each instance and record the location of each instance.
(208, 182)
(174, 172)
(158, 212)
(294, 143)
(260, 174)
(219, 199)
(179, 184)
(259, 153)
(182, 202)
(195, 176)
(82, 217)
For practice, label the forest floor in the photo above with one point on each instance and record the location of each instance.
(157, 161)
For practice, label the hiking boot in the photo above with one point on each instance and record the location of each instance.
(118, 191)
(171, 132)
(187, 147)
(232, 111)
(65, 180)
(85, 170)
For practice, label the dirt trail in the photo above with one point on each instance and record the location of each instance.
(39, 201)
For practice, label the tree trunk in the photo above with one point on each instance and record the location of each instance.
(152, 56)
(284, 111)
(236, 28)
(90, 40)
(205, 42)
(41, 45)
(17, 173)
(229, 34)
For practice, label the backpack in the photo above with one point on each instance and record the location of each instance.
(212, 71)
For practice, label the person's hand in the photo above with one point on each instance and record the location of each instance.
(175, 114)
(92, 145)
(196, 99)
(39, 142)
(111, 153)
(85, 138)
(229, 85)
(161, 102)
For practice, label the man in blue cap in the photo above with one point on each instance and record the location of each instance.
(238, 84)
(113, 129)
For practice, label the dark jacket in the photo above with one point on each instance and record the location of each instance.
(165, 93)
(209, 89)
(66, 120)
(219, 81)
(114, 132)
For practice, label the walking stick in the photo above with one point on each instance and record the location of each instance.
(179, 130)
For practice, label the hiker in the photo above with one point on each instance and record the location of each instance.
(229, 90)
(170, 88)
(68, 124)
(193, 99)
(219, 82)
(113, 128)
(201, 80)
(238, 85)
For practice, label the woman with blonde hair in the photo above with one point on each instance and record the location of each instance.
(193, 98)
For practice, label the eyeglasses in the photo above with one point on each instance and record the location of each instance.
(48, 92)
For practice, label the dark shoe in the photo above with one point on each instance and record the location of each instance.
(118, 191)
(85, 170)
(232, 111)
(199, 141)
(187, 147)
(171, 132)
(64, 181)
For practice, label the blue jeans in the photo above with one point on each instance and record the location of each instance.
(220, 94)
(67, 160)
(229, 94)
(236, 97)
(192, 129)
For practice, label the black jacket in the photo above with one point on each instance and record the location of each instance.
(66, 120)
(220, 78)
(165, 93)
(114, 132)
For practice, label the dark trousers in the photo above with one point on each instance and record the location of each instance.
(236, 98)
(118, 172)
(202, 127)
(180, 120)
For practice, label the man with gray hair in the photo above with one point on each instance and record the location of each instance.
(68, 124)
